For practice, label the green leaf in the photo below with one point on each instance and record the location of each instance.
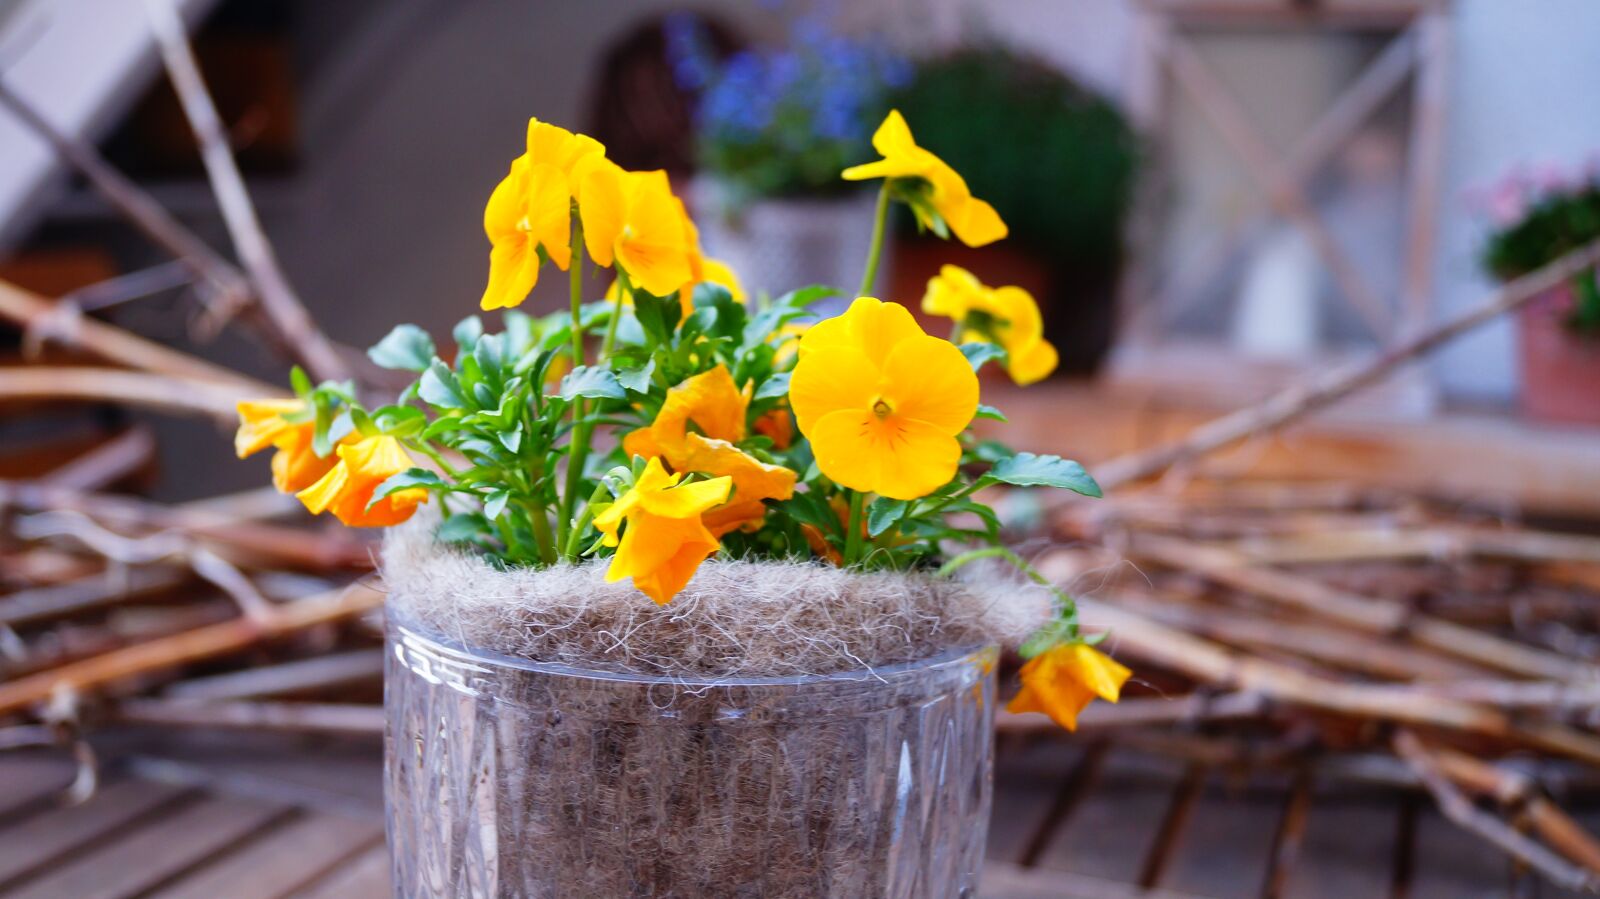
(496, 503)
(466, 332)
(439, 387)
(978, 354)
(591, 382)
(1030, 470)
(406, 348)
(638, 379)
(990, 413)
(510, 438)
(884, 513)
(464, 528)
(411, 477)
(801, 297)
(1052, 634)
(399, 421)
(775, 386)
(300, 381)
(657, 315)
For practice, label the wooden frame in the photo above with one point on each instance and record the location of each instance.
(1164, 59)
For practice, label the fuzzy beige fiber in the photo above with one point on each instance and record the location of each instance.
(735, 619)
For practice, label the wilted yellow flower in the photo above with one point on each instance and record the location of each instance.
(346, 490)
(633, 220)
(881, 401)
(263, 423)
(665, 540)
(530, 211)
(973, 221)
(712, 403)
(1007, 315)
(1063, 680)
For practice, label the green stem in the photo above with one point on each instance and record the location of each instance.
(423, 448)
(875, 252)
(574, 538)
(624, 290)
(539, 517)
(1069, 607)
(578, 448)
(852, 537)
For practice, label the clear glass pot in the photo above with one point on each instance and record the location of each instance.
(509, 778)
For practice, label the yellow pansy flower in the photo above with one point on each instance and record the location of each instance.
(711, 272)
(712, 403)
(530, 211)
(1063, 680)
(665, 540)
(975, 222)
(633, 220)
(1007, 315)
(347, 488)
(263, 423)
(881, 401)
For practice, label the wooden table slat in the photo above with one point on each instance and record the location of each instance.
(281, 861)
(154, 853)
(367, 877)
(36, 841)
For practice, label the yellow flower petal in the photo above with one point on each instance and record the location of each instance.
(665, 539)
(1033, 363)
(972, 220)
(897, 457)
(513, 271)
(955, 292)
(347, 488)
(602, 211)
(261, 423)
(870, 327)
(1063, 680)
(930, 380)
(830, 379)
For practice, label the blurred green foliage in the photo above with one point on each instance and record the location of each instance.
(1554, 226)
(1057, 161)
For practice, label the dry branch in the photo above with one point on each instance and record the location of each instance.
(1217, 667)
(187, 396)
(276, 297)
(188, 647)
(1459, 809)
(1302, 399)
(308, 717)
(29, 310)
(1372, 616)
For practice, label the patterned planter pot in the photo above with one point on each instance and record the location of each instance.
(517, 779)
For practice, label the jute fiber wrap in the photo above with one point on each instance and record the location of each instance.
(735, 619)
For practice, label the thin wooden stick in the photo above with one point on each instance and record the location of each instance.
(239, 541)
(1211, 664)
(1192, 709)
(302, 675)
(1519, 793)
(188, 647)
(1302, 399)
(107, 463)
(1459, 809)
(184, 395)
(1372, 616)
(307, 717)
(276, 296)
(113, 344)
(229, 286)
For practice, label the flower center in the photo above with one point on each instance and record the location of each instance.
(881, 408)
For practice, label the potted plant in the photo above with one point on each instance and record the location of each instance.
(688, 618)
(774, 126)
(1538, 219)
(1062, 178)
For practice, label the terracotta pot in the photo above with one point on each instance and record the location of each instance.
(1560, 369)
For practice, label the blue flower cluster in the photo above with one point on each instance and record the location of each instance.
(778, 119)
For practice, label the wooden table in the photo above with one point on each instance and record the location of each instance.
(247, 816)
